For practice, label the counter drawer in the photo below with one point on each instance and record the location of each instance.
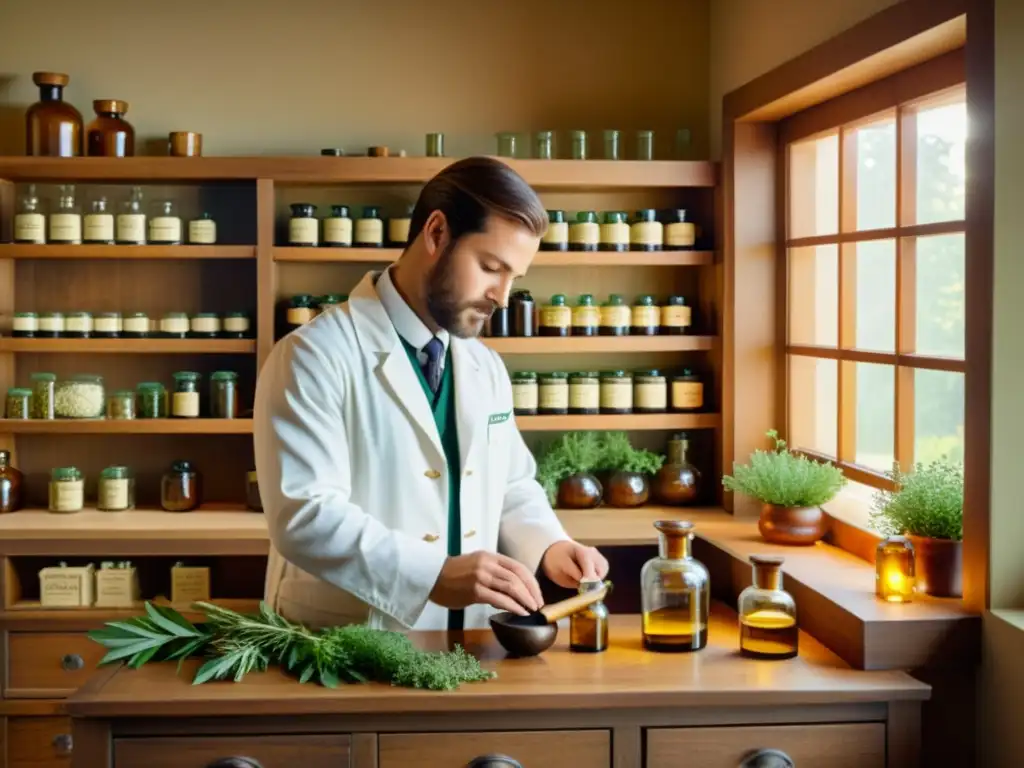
(38, 742)
(285, 751)
(49, 664)
(533, 749)
(859, 745)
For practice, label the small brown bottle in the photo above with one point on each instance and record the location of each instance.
(588, 629)
(53, 127)
(678, 481)
(109, 134)
(10, 485)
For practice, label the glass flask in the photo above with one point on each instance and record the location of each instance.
(588, 629)
(109, 134)
(11, 481)
(675, 592)
(29, 221)
(53, 127)
(768, 628)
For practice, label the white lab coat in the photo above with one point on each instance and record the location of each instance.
(354, 481)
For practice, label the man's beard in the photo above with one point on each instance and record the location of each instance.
(444, 303)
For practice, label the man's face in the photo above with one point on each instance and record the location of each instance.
(473, 278)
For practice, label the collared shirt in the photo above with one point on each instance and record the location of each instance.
(407, 323)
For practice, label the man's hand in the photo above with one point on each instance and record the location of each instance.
(566, 563)
(485, 577)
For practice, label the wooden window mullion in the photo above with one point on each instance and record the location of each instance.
(906, 283)
(847, 374)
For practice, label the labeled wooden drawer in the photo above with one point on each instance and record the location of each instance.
(49, 664)
(860, 745)
(38, 742)
(531, 749)
(285, 751)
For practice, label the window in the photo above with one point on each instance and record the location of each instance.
(875, 288)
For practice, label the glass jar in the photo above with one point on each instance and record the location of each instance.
(556, 237)
(398, 229)
(579, 145)
(338, 227)
(80, 396)
(675, 596)
(303, 227)
(224, 395)
(78, 325)
(136, 325)
(11, 482)
(181, 488)
(584, 393)
(687, 392)
(165, 225)
(369, 228)
(66, 490)
(612, 145)
(650, 392)
(614, 232)
(53, 127)
(680, 234)
(25, 325)
(108, 325)
(151, 400)
(676, 316)
(525, 397)
(204, 325)
(66, 221)
(646, 232)
(43, 389)
(584, 233)
(115, 491)
(185, 400)
(645, 145)
(98, 227)
(616, 392)
(553, 394)
(29, 221)
(544, 145)
(895, 569)
(506, 144)
(236, 325)
(131, 221)
(767, 613)
(588, 629)
(51, 325)
(435, 145)
(678, 481)
(585, 316)
(202, 230)
(109, 134)
(300, 311)
(121, 405)
(18, 404)
(252, 492)
(174, 325)
(521, 305)
(645, 317)
(556, 317)
(615, 317)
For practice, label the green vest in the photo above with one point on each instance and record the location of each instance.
(442, 405)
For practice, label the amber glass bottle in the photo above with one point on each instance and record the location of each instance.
(678, 481)
(10, 485)
(53, 128)
(768, 628)
(110, 135)
(675, 592)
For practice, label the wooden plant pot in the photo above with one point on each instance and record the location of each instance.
(939, 565)
(797, 526)
(579, 491)
(626, 489)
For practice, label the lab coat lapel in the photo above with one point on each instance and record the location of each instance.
(471, 404)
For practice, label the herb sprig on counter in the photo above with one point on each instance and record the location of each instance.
(235, 644)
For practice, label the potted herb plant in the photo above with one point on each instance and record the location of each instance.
(564, 470)
(927, 506)
(791, 489)
(627, 471)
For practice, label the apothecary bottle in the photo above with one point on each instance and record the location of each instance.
(121, 405)
(645, 317)
(131, 221)
(202, 230)
(51, 325)
(525, 397)
(650, 391)
(553, 394)
(165, 225)
(678, 481)
(175, 325)
(115, 491)
(300, 310)
(556, 236)
(767, 613)
(369, 228)
(185, 400)
(646, 233)
(584, 233)
(616, 392)
(109, 134)
(584, 393)
(80, 396)
(11, 482)
(675, 594)
(43, 388)
(680, 234)
(151, 400)
(586, 319)
(136, 325)
(522, 306)
(556, 317)
(687, 391)
(78, 325)
(24, 325)
(615, 317)
(579, 145)
(29, 221)
(303, 227)
(204, 325)
(181, 488)
(236, 325)
(98, 227)
(108, 325)
(588, 629)
(614, 232)
(544, 145)
(66, 220)
(224, 395)
(66, 490)
(18, 404)
(338, 227)
(53, 127)
(676, 316)
(398, 228)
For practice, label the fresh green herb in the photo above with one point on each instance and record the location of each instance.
(618, 454)
(569, 454)
(235, 644)
(927, 502)
(784, 478)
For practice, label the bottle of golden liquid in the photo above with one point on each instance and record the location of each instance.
(588, 629)
(675, 592)
(768, 628)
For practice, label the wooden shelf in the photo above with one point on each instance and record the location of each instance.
(126, 427)
(130, 346)
(141, 252)
(542, 259)
(29, 615)
(547, 345)
(619, 422)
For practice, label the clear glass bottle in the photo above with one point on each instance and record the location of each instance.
(131, 221)
(675, 594)
(18, 404)
(121, 405)
(29, 221)
(579, 145)
(202, 230)
(98, 227)
(66, 220)
(224, 395)
(556, 236)
(115, 491)
(181, 488)
(53, 127)
(506, 144)
(645, 145)
(11, 481)
(174, 325)
(165, 226)
(588, 629)
(66, 490)
(185, 401)
(545, 149)
(43, 386)
(767, 613)
(612, 145)
(109, 134)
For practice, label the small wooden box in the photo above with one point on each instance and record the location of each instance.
(117, 587)
(189, 584)
(67, 586)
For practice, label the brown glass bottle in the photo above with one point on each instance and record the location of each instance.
(53, 127)
(109, 134)
(678, 481)
(10, 485)
(181, 488)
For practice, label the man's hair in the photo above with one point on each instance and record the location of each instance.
(471, 189)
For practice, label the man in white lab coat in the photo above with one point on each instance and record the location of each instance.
(397, 488)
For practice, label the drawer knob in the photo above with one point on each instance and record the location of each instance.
(62, 744)
(494, 761)
(234, 762)
(768, 758)
(72, 661)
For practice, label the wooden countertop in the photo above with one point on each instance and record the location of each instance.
(625, 676)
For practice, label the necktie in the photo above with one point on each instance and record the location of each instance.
(434, 350)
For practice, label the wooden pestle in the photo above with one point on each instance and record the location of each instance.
(555, 611)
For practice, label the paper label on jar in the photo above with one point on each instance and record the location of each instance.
(398, 230)
(687, 394)
(67, 495)
(556, 233)
(30, 228)
(303, 231)
(131, 228)
(115, 587)
(51, 324)
(165, 229)
(680, 234)
(174, 324)
(66, 227)
(206, 324)
(646, 233)
(369, 231)
(524, 396)
(113, 494)
(136, 324)
(108, 324)
(62, 589)
(185, 404)
(584, 395)
(615, 316)
(645, 316)
(618, 395)
(299, 315)
(554, 396)
(236, 324)
(675, 316)
(338, 230)
(99, 226)
(202, 232)
(555, 316)
(25, 323)
(616, 233)
(583, 317)
(584, 233)
(651, 396)
(78, 323)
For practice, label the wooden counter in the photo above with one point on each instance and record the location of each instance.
(624, 708)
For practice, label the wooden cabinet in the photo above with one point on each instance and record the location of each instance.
(531, 749)
(39, 742)
(286, 751)
(49, 664)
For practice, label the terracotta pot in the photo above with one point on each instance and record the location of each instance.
(938, 566)
(579, 491)
(792, 525)
(626, 489)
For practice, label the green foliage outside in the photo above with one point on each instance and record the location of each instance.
(927, 502)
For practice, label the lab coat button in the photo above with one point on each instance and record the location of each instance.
(469, 472)
(433, 474)
(431, 537)
(470, 533)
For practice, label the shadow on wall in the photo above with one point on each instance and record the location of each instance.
(12, 119)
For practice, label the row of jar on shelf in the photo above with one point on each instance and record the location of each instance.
(512, 144)
(84, 396)
(133, 325)
(64, 224)
(115, 584)
(608, 392)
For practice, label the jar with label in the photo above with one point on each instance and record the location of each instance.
(43, 388)
(584, 233)
(525, 397)
(544, 145)
(579, 145)
(181, 488)
(224, 395)
(338, 227)
(645, 317)
(174, 325)
(66, 490)
(121, 405)
(136, 325)
(77, 325)
(252, 492)
(303, 227)
(645, 233)
(115, 491)
(687, 391)
(98, 227)
(615, 317)
(18, 404)
(236, 325)
(204, 325)
(29, 221)
(616, 392)
(614, 232)
(300, 311)
(66, 221)
(202, 230)
(51, 325)
(369, 229)
(151, 400)
(108, 325)
(650, 392)
(675, 316)
(185, 400)
(556, 236)
(165, 226)
(398, 229)
(131, 221)
(553, 394)
(556, 317)
(25, 325)
(680, 234)
(586, 318)
(80, 396)
(522, 305)
(584, 393)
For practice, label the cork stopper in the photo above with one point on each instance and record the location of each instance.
(117, 106)
(50, 78)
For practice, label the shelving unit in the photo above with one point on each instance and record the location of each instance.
(130, 427)
(130, 346)
(164, 252)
